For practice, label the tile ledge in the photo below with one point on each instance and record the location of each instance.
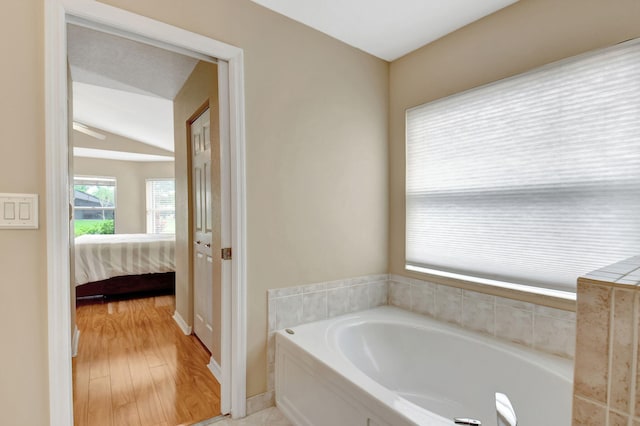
(602, 282)
(518, 295)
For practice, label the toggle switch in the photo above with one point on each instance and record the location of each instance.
(25, 211)
(19, 211)
(9, 210)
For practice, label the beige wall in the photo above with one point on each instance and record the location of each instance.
(200, 87)
(131, 201)
(316, 123)
(23, 291)
(525, 35)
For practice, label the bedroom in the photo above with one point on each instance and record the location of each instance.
(130, 188)
(123, 160)
(132, 105)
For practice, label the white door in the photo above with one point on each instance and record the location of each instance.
(200, 131)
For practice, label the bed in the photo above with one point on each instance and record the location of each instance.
(124, 264)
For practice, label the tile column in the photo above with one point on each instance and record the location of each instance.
(606, 391)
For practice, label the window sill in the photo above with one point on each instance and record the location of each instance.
(548, 297)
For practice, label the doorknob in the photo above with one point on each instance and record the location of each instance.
(208, 245)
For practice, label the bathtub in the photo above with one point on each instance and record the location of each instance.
(387, 366)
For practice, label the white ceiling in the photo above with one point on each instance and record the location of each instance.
(386, 29)
(125, 87)
(147, 119)
(118, 155)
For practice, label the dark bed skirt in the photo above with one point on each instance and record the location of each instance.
(129, 284)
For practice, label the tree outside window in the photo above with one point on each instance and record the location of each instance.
(94, 205)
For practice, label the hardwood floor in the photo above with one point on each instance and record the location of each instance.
(136, 368)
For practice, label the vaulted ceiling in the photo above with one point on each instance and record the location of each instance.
(118, 88)
(117, 85)
(386, 29)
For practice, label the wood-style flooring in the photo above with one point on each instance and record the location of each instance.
(135, 367)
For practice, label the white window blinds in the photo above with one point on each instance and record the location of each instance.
(532, 180)
(161, 206)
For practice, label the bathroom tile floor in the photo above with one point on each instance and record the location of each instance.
(268, 417)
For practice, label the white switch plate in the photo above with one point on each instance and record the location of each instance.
(19, 211)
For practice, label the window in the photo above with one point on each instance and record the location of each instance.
(161, 206)
(532, 180)
(94, 205)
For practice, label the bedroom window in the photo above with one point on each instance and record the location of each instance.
(161, 206)
(533, 180)
(94, 205)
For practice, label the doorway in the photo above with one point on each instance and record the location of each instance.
(133, 365)
(233, 357)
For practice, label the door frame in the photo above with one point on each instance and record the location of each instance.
(231, 75)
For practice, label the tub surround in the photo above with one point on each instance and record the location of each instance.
(292, 306)
(540, 327)
(543, 328)
(607, 385)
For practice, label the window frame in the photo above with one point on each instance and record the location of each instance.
(95, 178)
(149, 211)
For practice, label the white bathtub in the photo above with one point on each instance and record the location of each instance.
(387, 366)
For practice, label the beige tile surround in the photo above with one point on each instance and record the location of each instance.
(536, 326)
(543, 328)
(293, 306)
(606, 378)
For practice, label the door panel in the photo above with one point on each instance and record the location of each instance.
(208, 208)
(203, 251)
(197, 180)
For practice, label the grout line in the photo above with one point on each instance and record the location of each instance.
(275, 314)
(495, 316)
(433, 301)
(326, 303)
(387, 287)
(591, 401)
(634, 359)
(612, 304)
(412, 297)
(302, 310)
(461, 321)
(533, 328)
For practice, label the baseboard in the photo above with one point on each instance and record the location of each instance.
(75, 340)
(260, 402)
(186, 328)
(215, 369)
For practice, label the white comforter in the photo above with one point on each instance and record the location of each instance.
(98, 257)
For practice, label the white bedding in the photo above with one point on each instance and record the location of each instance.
(99, 257)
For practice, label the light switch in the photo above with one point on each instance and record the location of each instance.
(19, 211)
(25, 211)
(9, 211)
